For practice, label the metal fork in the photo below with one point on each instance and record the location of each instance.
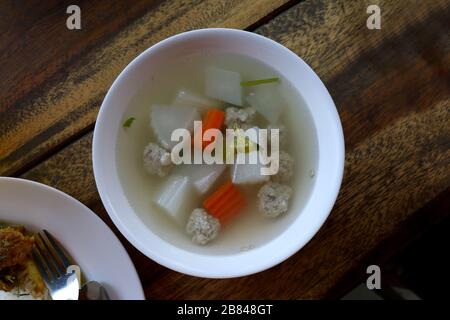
(53, 263)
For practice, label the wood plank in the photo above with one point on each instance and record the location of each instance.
(417, 226)
(391, 89)
(410, 53)
(53, 79)
(359, 221)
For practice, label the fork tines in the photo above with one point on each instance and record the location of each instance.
(50, 258)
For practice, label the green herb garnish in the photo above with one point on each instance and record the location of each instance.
(258, 82)
(128, 122)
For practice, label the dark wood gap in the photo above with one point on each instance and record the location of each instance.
(273, 14)
(52, 151)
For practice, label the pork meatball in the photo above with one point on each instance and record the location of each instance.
(157, 160)
(285, 168)
(274, 199)
(202, 226)
(239, 117)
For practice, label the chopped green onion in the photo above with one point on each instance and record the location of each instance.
(128, 122)
(257, 82)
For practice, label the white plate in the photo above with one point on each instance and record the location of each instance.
(84, 235)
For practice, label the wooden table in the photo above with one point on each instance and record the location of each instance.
(391, 88)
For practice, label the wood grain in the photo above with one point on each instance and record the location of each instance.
(52, 87)
(378, 76)
(391, 90)
(376, 198)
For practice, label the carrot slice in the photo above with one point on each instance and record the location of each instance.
(214, 201)
(213, 119)
(225, 203)
(216, 196)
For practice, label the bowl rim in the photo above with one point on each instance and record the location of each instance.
(228, 269)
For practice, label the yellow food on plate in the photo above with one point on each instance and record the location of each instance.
(19, 276)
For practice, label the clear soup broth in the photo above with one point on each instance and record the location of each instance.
(250, 229)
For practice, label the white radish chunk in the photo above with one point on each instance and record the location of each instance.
(244, 172)
(266, 100)
(177, 198)
(202, 176)
(164, 119)
(187, 98)
(224, 85)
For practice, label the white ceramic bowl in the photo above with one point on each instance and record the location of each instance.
(328, 173)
